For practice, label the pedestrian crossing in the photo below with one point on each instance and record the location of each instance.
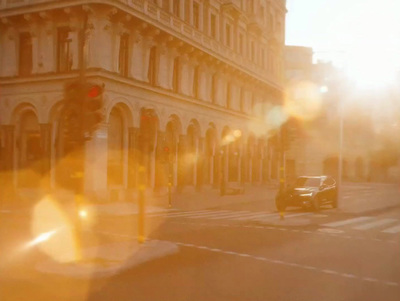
(360, 223)
(234, 215)
(363, 223)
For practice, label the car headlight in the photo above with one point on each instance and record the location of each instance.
(306, 194)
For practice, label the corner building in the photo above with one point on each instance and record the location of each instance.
(206, 71)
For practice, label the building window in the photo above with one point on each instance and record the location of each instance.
(165, 5)
(213, 26)
(64, 55)
(263, 58)
(228, 35)
(240, 48)
(187, 11)
(253, 51)
(228, 95)
(196, 15)
(175, 83)
(214, 87)
(242, 99)
(175, 7)
(123, 61)
(196, 78)
(151, 74)
(25, 54)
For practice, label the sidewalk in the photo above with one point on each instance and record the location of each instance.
(191, 200)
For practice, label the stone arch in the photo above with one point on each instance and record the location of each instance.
(119, 120)
(211, 143)
(124, 107)
(20, 109)
(190, 153)
(249, 156)
(29, 147)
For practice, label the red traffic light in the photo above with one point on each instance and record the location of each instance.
(94, 91)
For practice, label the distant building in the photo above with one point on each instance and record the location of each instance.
(206, 70)
(315, 150)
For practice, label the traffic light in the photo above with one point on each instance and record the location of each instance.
(83, 104)
(92, 109)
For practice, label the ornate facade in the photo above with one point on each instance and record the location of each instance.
(207, 70)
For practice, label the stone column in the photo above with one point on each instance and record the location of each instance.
(199, 171)
(133, 135)
(45, 136)
(7, 179)
(181, 171)
(96, 159)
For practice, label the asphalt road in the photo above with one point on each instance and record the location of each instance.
(223, 256)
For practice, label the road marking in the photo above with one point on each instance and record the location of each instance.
(297, 214)
(292, 264)
(349, 221)
(242, 216)
(232, 214)
(395, 229)
(330, 231)
(211, 214)
(277, 217)
(370, 279)
(348, 275)
(182, 213)
(199, 214)
(374, 224)
(265, 214)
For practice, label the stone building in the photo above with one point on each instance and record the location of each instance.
(206, 71)
(316, 149)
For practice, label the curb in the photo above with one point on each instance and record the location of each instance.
(109, 260)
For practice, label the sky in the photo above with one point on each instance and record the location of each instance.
(362, 36)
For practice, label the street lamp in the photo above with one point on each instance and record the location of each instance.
(340, 163)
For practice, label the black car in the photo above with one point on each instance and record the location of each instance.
(308, 192)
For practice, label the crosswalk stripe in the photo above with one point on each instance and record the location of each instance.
(395, 229)
(232, 215)
(213, 214)
(297, 214)
(259, 215)
(349, 221)
(374, 224)
(179, 213)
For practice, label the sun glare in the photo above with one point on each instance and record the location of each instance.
(370, 39)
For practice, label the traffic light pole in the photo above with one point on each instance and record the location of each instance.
(142, 178)
(169, 183)
(282, 167)
(80, 151)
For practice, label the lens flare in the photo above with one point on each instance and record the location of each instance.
(61, 245)
(303, 100)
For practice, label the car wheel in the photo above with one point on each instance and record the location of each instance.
(316, 202)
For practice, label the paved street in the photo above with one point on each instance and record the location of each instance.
(242, 251)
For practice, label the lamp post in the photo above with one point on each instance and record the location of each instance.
(340, 163)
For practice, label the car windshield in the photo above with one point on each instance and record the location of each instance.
(307, 182)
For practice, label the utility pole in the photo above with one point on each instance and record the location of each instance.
(282, 167)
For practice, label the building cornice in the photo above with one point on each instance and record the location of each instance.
(109, 76)
(188, 38)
